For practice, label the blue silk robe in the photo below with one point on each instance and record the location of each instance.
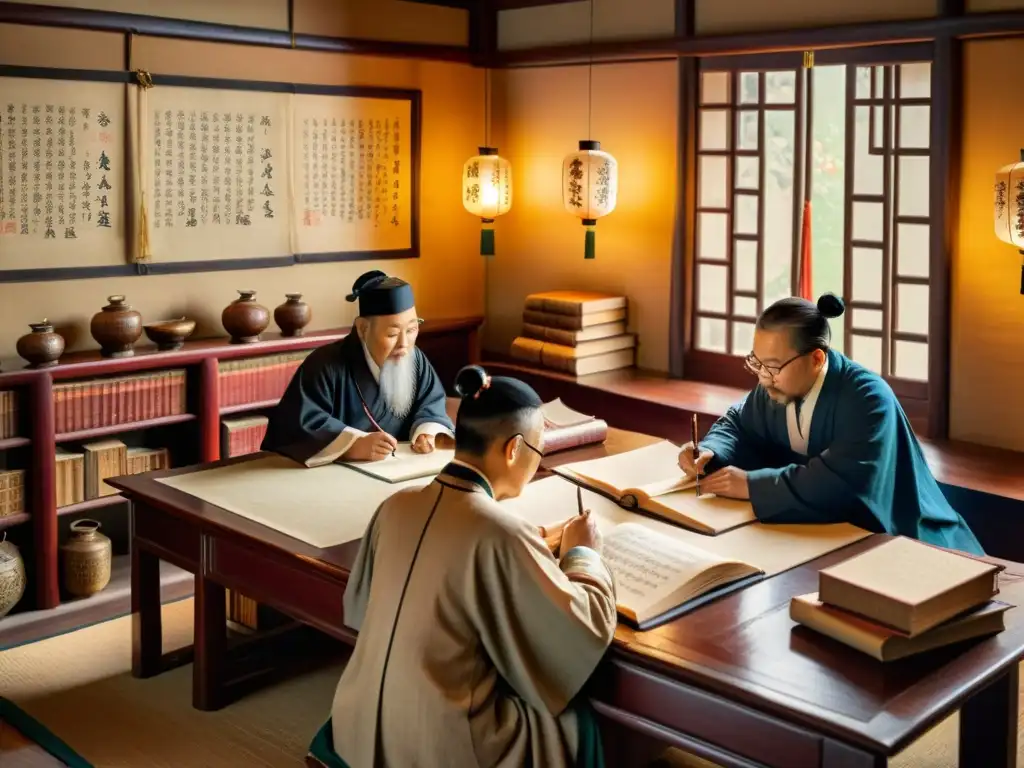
(323, 399)
(863, 464)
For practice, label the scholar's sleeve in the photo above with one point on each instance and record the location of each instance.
(852, 475)
(737, 437)
(303, 426)
(429, 414)
(545, 626)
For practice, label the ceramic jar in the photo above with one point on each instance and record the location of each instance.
(12, 576)
(116, 328)
(86, 559)
(43, 347)
(292, 316)
(244, 319)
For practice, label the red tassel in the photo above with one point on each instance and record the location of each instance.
(804, 287)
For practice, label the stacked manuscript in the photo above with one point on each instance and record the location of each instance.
(8, 414)
(902, 598)
(575, 332)
(12, 492)
(69, 476)
(82, 475)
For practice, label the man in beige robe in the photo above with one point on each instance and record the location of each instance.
(473, 638)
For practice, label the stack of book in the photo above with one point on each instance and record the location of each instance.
(576, 332)
(80, 476)
(565, 428)
(902, 598)
(12, 492)
(8, 414)
(242, 436)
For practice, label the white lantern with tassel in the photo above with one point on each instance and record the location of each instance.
(590, 185)
(1009, 208)
(487, 192)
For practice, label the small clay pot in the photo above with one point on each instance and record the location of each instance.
(292, 316)
(43, 347)
(116, 327)
(244, 319)
(86, 558)
(12, 575)
(169, 335)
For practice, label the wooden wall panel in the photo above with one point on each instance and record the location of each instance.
(570, 22)
(715, 17)
(27, 46)
(269, 14)
(542, 115)
(383, 20)
(987, 343)
(448, 277)
(983, 6)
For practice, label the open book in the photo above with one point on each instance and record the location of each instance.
(406, 464)
(658, 578)
(649, 479)
(663, 571)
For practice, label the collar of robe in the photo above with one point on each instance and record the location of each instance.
(467, 474)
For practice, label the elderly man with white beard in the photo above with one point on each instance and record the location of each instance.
(357, 398)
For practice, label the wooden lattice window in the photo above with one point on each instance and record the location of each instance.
(852, 135)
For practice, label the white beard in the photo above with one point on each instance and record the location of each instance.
(398, 384)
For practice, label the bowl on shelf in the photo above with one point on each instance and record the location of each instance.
(169, 334)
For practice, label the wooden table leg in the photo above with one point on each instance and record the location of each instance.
(208, 673)
(835, 754)
(147, 634)
(988, 724)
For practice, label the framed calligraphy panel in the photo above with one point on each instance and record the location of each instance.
(63, 170)
(354, 173)
(213, 166)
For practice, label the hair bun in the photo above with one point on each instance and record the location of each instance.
(831, 305)
(364, 282)
(470, 381)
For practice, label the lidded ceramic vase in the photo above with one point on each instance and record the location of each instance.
(86, 559)
(244, 319)
(12, 575)
(293, 316)
(43, 347)
(116, 327)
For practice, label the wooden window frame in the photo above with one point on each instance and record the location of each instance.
(925, 402)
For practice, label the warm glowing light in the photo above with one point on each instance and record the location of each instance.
(1008, 200)
(590, 186)
(487, 192)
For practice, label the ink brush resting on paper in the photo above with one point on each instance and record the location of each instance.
(696, 450)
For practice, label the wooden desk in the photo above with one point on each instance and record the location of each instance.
(733, 681)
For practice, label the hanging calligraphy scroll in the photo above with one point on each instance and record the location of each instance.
(62, 175)
(214, 168)
(354, 174)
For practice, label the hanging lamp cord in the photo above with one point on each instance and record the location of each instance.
(590, 74)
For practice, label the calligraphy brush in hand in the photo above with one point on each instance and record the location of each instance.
(374, 423)
(696, 450)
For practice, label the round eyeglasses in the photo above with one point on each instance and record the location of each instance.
(756, 367)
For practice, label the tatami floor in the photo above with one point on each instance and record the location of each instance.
(80, 686)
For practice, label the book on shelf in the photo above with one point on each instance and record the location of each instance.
(574, 303)
(649, 479)
(140, 460)
(103, 459)
(565, 428)
(69, 477)
(12, 492)
(8, 414)
(257, 379)
(908, 585)
(573, 322)
(574, 338)
(242, 435)
(106, 402)
(887, 644)
(570, 358)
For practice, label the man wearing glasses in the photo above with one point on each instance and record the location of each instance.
(821, 439)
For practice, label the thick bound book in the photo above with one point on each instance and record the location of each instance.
(908, 585)
(886, 644)
(649, 479)
(658, 578)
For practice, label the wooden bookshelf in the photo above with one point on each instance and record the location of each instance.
(192, 437)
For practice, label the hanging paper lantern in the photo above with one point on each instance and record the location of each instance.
(1009, 208)
(487, 192)
(590, 185)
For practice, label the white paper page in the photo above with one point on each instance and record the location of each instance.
(323, 506)
(553, 500)
(406, 464)
(655, 463)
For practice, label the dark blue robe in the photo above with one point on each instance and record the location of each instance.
(863, 464)
(323, 398)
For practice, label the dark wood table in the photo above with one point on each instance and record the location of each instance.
(735, 681)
